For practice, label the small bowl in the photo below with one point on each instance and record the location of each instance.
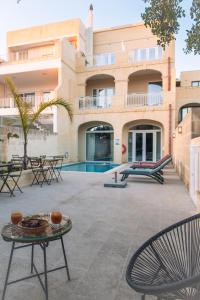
(28, 230)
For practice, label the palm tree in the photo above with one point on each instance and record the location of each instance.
(28, 116)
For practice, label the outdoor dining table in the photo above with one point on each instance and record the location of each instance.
(52, 163)
(15, 235)
(5, 169)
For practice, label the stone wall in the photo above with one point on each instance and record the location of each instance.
(39, 143)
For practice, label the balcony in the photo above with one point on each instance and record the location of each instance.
(146, 99)
(88, 102)
(8, 107)
(102, 59)
(145, 54)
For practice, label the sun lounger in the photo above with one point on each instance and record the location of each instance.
(152, 173)
(150, 165)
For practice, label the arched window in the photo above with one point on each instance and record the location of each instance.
(100, 128)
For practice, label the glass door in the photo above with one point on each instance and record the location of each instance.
(148, 149)
(146, 145)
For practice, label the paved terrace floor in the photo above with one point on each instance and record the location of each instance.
(108, 226)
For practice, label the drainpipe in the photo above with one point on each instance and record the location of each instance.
(170, 129)
(169, 74)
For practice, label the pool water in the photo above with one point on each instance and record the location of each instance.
(89, 167)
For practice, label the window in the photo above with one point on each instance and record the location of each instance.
(103, 97)
(152, 53)
(21, 55)
(196, 83)
(29, 98)
(143, 54)
(104, 59)
(155, 87)
(46, 96)
(146, 54)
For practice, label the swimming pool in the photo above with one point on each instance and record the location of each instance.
(98, 167)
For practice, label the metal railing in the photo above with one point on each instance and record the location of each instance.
(144, 99)
(34, 101)
(94, 102)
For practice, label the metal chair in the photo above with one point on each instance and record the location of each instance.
(5, 170)
(15, 173)
(58, 167)
(168, 265)
(40, 172)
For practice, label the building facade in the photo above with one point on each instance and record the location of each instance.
(121, 85)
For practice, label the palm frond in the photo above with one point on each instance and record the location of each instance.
(23, 107)
(50, 103)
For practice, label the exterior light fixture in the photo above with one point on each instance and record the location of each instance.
(174, 135)
(180, 129)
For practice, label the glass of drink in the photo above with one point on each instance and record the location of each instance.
(56, 217)
(16, 217)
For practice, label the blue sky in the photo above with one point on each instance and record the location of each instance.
(106, 14)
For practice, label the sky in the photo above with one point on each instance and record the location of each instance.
(106, 14)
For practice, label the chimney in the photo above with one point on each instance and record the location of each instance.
(89, 37)
(90, 16)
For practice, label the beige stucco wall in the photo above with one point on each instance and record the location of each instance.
(190, 127)
(186, 94)
(139, 83)
(186, 78)
(121, 122)
(47, 32)
(97, 84)
(133, 36)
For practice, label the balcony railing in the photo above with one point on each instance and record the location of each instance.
(145, 54)
(94, 102)
(138, 99)
(102, 59)
(34, 101)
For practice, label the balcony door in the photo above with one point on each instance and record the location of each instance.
(103, 96)
(154, 93)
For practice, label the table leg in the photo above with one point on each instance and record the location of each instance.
(32, 257)
(8, 271)
(65, 258)
(45, 271)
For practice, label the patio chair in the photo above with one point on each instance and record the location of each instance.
(58, 167)
(167, 266)
(5, 170)
(40, 172)
(15, 173)
(153, 173)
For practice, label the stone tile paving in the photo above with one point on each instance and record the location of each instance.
(108, 226)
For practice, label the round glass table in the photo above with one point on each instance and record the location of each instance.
(15, 235)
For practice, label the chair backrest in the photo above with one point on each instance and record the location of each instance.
(162, 165)
(35, 162)
(168, 260)
(162, 160)
(15, 156)
(17, 165)
(60, 159)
